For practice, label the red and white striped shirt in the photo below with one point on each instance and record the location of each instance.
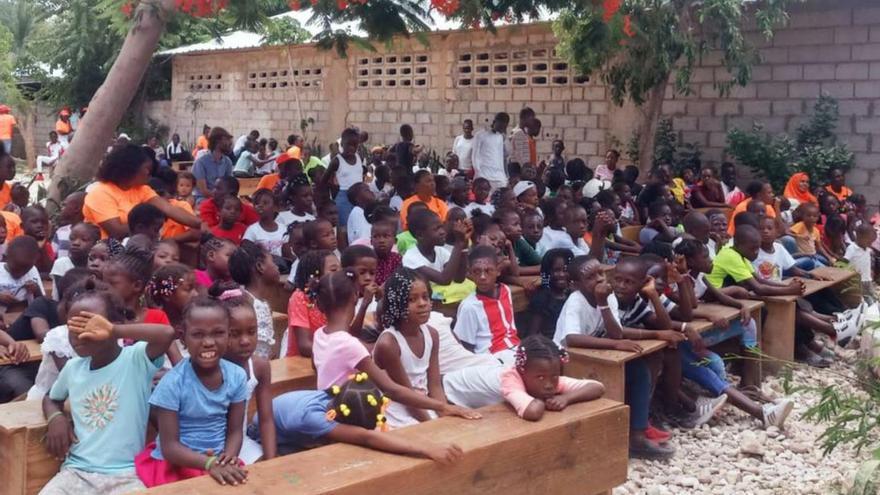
(486, 323)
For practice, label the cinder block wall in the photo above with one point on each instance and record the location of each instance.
(829, 46)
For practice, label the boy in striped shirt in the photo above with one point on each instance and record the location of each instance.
(485, 318)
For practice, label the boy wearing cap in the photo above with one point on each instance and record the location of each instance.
(526, 194)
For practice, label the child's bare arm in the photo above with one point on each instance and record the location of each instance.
(234, 433)
(394, 444)
(590, 342)
(263, 372)
(96, 327)
(435, 383)
(387, 357)
(581, 391)
(59, 434)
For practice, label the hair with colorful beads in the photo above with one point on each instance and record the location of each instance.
(358, 402)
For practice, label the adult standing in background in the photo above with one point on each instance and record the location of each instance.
(294, 146)
(519, 138)
(348, 169)
(463, 147)
(176, 151)
(7, 125)
(63, 127)
(490, 152)
(214, 164)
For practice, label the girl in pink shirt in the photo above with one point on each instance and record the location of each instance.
(534, 385)
(337, 354)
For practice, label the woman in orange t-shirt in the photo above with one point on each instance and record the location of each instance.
(425, 191)
(761, 191)
(201, 142)
(122, 184)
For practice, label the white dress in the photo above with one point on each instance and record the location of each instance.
(416, 369)
(251, 450)
(55, 343)
(265, 328)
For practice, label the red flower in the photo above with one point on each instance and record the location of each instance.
(294, 5)
(341, 4)
(446, 7)
(127, 9)
(627, 26)
(611, 7)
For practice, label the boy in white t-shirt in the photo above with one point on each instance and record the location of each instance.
(429, 257)
(858, 254)
(589, 319)
(19, 279)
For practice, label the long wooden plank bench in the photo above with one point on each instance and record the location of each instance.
(247, 186)
(581, 450)
(777, 339)
(25, 464)
(34, 350)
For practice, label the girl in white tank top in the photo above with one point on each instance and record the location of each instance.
(407, 344)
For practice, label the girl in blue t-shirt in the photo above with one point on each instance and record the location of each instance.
(354, 413)
(199, 405)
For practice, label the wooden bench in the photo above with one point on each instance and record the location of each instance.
(581, 450)
(181, 166)
(247, 186)
(34, 350)
(25, 464)
(777, 339)
(631, 232)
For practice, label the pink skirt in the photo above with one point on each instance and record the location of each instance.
(155, 472)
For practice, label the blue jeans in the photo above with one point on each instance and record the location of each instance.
(344, 206)
(805, 263)
(638, 393)
(707, 371)
(748, 334)
(7, 145)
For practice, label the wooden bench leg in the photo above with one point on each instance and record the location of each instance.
(611, 375)
(777, 338)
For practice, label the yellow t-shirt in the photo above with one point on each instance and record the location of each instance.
(106, 201)
(806, 239)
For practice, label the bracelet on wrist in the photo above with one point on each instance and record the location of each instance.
(210, 462)
(603, 307)
(53, 416)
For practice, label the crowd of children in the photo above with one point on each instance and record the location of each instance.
(160, 324)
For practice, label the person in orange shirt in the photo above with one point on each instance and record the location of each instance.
(287, 167)
(202, 141)
(63, 127)
(425, 191)
(837, 185)
(798, 189)
(295, 144)
(122, 184)
(757, 190)
(7, 173)
(7, 124)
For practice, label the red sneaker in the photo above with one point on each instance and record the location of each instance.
(656, 434)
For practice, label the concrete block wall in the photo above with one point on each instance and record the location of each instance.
(829, 46)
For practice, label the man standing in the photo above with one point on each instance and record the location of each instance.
(463, 147)
(7, 124)
(519, 138)
(254, 135)
(490, 152)
(214, 164)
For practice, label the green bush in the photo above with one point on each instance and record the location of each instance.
(813, 149)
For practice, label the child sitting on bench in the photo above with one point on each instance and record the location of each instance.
(589, 319)
(108, 387)
(535, 385)
(352, 413)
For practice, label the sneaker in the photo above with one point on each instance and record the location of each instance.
(656, 434)
(775, 414)
(847, 329)
(706, 409)
(651, 451)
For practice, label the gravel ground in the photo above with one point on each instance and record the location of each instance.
(733, 454)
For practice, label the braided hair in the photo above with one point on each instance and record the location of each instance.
(135, 262)
(311, 267)
(538, 346)
(395, 302)
(114, 247)
(358, 402)
(243, 262)
(166, 280)
(94, 289)
(549, 260)
(335, 289)
(212, 244)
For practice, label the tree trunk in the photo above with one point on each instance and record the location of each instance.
(650, 111)
(106, 109)
(295, 91)
(27, 124)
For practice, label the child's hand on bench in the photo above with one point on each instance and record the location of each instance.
(627, 346)
(59, 436)
(672, 337)
(462, 412)
(444, 454)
